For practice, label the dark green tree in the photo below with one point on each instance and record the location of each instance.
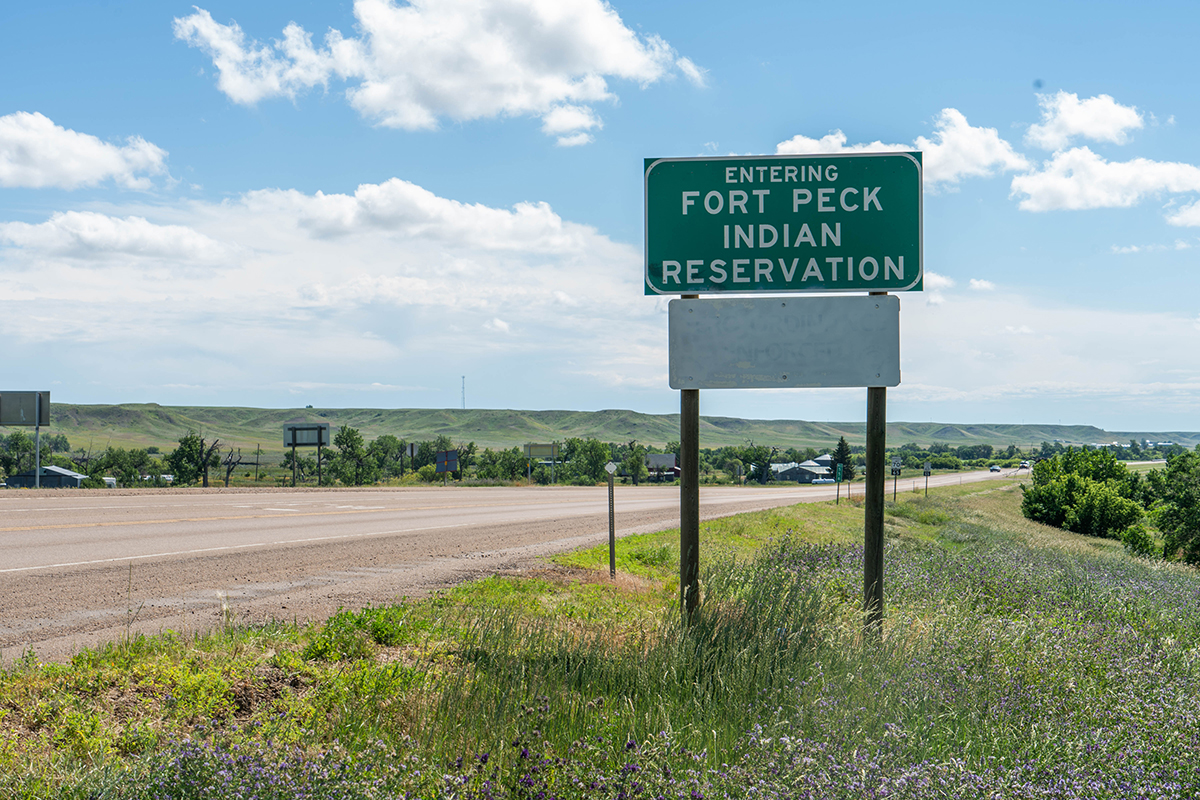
(971, 452)
(306, 466)
(501, 465)
(759, 457)
(634, 463)
(585, 458)
(191, 460)
(1177, 489)
(352, 464)
(57, 442)
(389, 454)
(127, 466)
(426, 454)
(17, 453)
(1102, 511)
(843, 456)
(467, 453)
(1085, 491)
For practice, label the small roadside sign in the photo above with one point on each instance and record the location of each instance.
(447, 461)
(611, 468)
(896, 465)
(838, 477)
(928, 471)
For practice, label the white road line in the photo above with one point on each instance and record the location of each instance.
(228, 547)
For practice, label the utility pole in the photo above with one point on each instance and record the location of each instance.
(464, 392)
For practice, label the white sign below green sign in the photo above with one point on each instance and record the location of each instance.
(806, 223)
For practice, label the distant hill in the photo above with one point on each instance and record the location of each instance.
(149, 424)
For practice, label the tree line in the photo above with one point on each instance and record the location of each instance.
(354, 461)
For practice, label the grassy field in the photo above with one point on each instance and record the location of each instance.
(148, 424)
(1017, 661)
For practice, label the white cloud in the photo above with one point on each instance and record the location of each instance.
(401, 210)
(956, 151)
(575, 140)
(980, 285)
(1071, 354)
(562, 120)
(420, 62)
(263, 289)
(933, 280)
(934, 284)
(1079, 179)
(694, 73)
(36, 153)
(249, 72)
(1188, 216)
(87, 234)
(565, 119)
(1180, 244)
(1065, 116)
(834, 142)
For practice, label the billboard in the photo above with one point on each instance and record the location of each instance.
(306, 434)
(25, 408)
(542, 450)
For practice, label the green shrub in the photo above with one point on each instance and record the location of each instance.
(1177, 489)
(390, 625)
(340, 639)
(1086, 492)
(1102, 512)
(1137, 540)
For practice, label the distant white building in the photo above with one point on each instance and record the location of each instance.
(804, 472)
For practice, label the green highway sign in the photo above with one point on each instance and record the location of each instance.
(787, 223)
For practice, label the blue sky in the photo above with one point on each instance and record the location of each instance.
(358, 203)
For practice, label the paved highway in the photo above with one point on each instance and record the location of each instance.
(78, 568)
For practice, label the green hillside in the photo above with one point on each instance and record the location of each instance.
(149, 424)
